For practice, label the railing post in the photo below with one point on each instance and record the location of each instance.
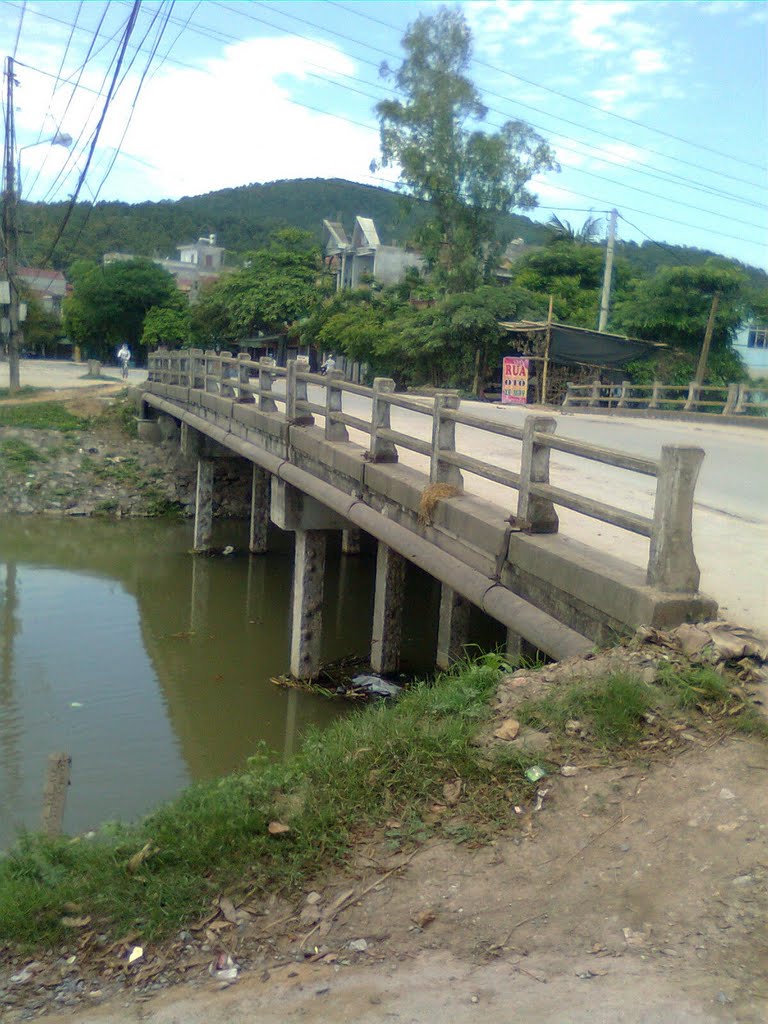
(334, 431)
(693, 396)
(536, 514)
(295, 392)
(741, 399)
(227, 373)
(244, 377)
(653, 401)
(568, 400)
(266, 401)
(381, 450)
(209, 375)
(730, 401)
(444, 440)
(671, 561)
(594, 398)
(196, 368)
(625, 388)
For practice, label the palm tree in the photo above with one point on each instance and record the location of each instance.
(563, 231)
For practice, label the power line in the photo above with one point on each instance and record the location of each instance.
(18, 30)
(126, 37)
(564, 95)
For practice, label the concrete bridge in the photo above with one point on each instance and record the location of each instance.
(505, 556)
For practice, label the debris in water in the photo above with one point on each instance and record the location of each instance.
(376, 686)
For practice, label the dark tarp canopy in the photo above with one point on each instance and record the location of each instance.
(573, 346)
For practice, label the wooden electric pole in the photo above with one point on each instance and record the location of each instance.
(10, 232)
(701, 369)
(605, 299)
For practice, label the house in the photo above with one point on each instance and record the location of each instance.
(751, 343)
(199, 263)
(364, 258)
(49, 287)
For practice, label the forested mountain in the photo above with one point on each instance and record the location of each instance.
(242, 218)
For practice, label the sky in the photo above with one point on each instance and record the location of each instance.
(655, 108)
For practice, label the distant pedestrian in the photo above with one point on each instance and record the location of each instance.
(328, 366)
(124, 358)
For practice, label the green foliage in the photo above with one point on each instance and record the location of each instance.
(677, 366)
(41, 329)
(469, 177)
(276, 286)
(40, 416)
(673, 305)
(169, 325)
(109, 304)
(374, 764)
(18, 455)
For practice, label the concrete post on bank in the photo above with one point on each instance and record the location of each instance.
(307, 603)
(387, 632)
(381, 449)
(672, 563)
(266, 401)
(260, 509)
(444, 440)
(594, 397)
(203, 505)
(625, 389)
(653, 402)
(453, 627)
(334, 431)
(55, 793)
(693, 397)
(533, 512)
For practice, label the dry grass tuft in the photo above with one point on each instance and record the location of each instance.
(430, 497)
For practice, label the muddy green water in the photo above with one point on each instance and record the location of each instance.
(151, 667)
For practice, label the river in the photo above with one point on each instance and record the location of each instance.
(151, 667)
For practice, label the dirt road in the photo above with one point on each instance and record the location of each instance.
(634, 895)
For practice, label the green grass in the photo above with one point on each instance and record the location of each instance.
(383, 762)
(40, 416)
(612, 712)
(23, 392)
(18, 455)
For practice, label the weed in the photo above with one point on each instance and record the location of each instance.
(611, 709)
(163, 508)
(108, 507)
(40, 416)
(25, 392)
(19, 455)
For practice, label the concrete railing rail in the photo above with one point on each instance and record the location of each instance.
(725, 400)
(671, 563)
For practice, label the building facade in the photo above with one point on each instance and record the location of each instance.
(751, 343)
(363, 258)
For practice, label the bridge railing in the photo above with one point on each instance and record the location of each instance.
(727, 399)
(671, 562)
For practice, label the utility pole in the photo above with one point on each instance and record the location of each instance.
(10, 232)
(701, 369)
(605, 299)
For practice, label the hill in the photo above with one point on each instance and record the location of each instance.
(242, 218)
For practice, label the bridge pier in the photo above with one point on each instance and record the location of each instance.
(203, 505)
(350, 541)
(453, 627)
(307, 603)
(518, 649)
(260, 507)
(387, 610)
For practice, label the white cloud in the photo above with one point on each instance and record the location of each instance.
(594, 26)
(648, 62)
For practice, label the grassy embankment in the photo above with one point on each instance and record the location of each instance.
(381, 765)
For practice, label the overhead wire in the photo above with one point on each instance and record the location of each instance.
(564, 95)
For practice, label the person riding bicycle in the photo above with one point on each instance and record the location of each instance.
(124, 357)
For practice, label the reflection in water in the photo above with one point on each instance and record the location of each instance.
(151, 667)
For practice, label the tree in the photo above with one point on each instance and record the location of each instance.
(573, 274)
(673, 305)
(41, 329)
(108, 304)
(168, 325)
(564, 231)
(276, 286)
(469, 177)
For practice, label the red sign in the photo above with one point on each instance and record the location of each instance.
(514, 381)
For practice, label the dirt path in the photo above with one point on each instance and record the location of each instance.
(634, 895)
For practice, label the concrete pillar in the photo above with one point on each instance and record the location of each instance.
(672, 563)
(307, 604)
(350, 541)
(518, 649)
(538, 513)
(453, 627)
(203, 505)
(387, 610)
(260, 506)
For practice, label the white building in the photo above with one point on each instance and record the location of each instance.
(363, 257)
(752, 345)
